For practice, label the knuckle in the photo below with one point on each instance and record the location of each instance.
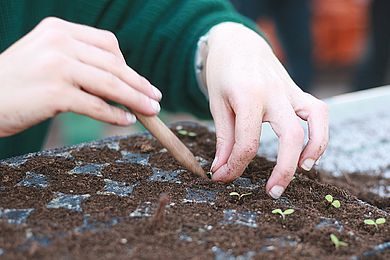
(52, 60)
(116, 62)
(110, 79)
(49, 22)
(110, 38)
(143, 82)
(99, 107)
(322, 107)
(297, 133)
(54, 38)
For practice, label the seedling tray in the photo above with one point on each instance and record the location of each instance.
(99, 200)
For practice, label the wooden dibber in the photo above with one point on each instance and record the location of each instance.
(173, 144)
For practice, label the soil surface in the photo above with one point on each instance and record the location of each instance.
(102, 201)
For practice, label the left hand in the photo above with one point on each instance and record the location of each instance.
(247, 85)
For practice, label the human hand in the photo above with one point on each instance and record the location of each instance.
(65, 67)
(247, 85)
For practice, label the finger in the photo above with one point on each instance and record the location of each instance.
(107, 86)
(291, 139)
(80, 102)
(315, 112)
(100, 38)
(224, 127)
(248, 121)
(107, 61)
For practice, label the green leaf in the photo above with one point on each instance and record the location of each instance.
(369, 222)
(336, 204)
(183, 132)
(337, 242)
(342, 243)
(245, 194)
(192, 134)
(380, 221)
(329, 198)
(277, 211)
(288, 211)
(334, 240)
(234, 194)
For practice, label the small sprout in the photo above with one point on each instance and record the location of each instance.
(378, 221)
(333, 202)
(186, 133)
(192, 134)
(337, 242)
(182, 132)
(239, 196)
(209, 175)
(283, 213)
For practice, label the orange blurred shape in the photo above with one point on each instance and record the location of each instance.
(339, 29)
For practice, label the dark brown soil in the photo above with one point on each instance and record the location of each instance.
(105, 226)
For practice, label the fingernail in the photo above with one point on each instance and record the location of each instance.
(214, 163)
(130, 118)
(155, 105)
(157, 93)
(276, 191)
(307, 164)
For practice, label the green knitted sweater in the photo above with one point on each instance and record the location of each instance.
(157, 37)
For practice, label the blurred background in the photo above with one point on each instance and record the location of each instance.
(329, 47)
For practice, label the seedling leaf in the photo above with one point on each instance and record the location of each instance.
(337, 242)
(380, 221)
(369, 222)
(336, 204)
(334, 239)
(329, 198)
(245, 194)
(277, 211)
(183, 132)
(234, 194)
(288, 211)
(342, 243)
(191, 134)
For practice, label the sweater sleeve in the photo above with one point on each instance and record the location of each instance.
(159, 39)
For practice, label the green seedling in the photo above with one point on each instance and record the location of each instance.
(378, 221)
(332, 201)
(239, 196)
(337, 242)
(283, 213)
(186, 133)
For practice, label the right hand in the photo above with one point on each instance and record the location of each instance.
(65, 67)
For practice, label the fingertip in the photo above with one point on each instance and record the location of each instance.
(219, 176)
(276, 191)
(155, 106)
(157, 93)
(130, 118)
(215, 161)
(308, 164)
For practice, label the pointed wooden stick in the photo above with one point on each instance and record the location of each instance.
(172, 143)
